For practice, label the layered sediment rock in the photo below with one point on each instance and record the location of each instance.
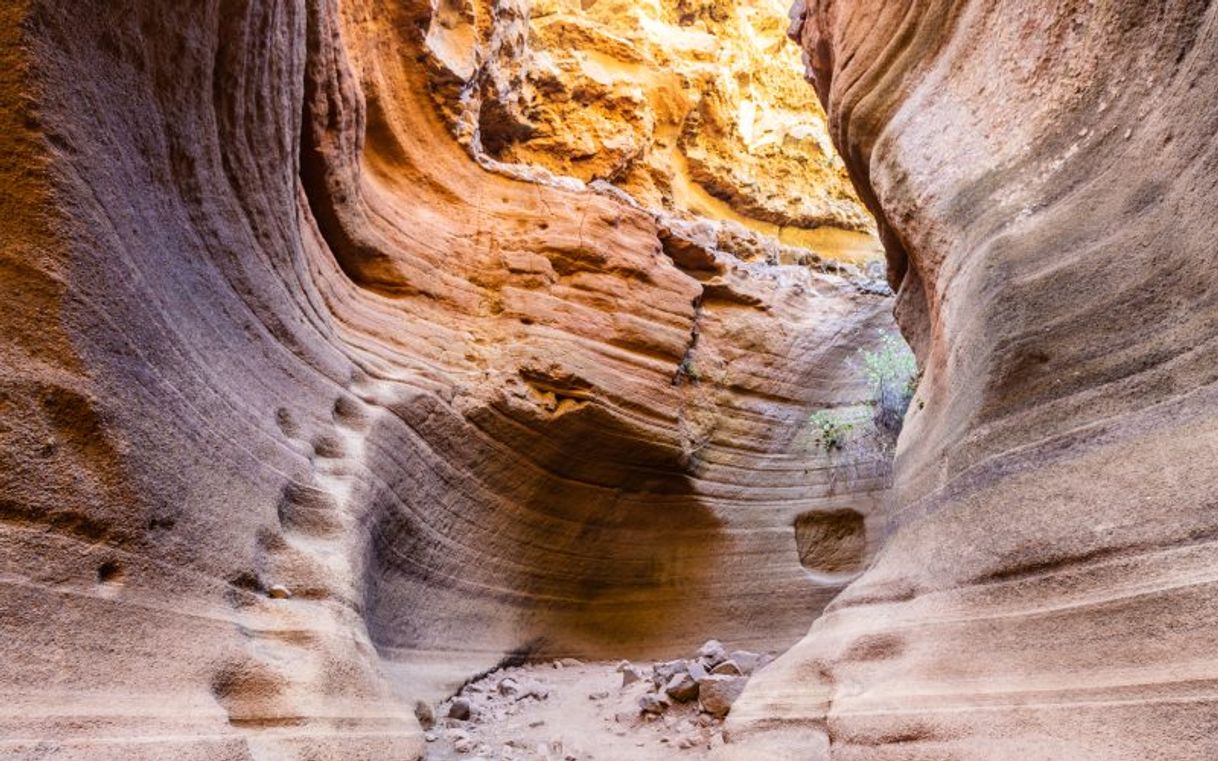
(1045, 181)
(306, 415)
(688, 106)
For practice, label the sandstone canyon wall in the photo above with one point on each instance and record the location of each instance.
(1046, 179)
(267, 324)
(688, 106)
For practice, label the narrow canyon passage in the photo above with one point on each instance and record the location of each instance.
(519, 379)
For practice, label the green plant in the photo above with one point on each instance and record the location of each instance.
(688, 370)
(831, 430)
(892, 373)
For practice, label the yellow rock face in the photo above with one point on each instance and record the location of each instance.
(693, 108)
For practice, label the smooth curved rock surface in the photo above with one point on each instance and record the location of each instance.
(1045, 179)
(306, 415)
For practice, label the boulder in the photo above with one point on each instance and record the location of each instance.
(696, 670)
(728, 668)
(717, 693)
(746, 661)
(662, 672)
(653, 703)
(682, 688)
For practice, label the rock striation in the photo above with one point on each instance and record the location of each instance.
(1044, 179)
(688, 106)
(308, 416)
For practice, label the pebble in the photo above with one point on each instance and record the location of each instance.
(460, 709)
(279, 592)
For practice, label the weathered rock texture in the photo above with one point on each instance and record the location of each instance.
(688, 106)
(1046, 175)
(306, 415)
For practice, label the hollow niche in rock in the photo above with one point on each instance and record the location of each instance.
(831, 544)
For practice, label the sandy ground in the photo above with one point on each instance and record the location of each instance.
(586, 714)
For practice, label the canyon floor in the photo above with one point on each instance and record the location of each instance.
(569, 710)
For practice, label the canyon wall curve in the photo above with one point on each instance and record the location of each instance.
(1045, 180)
(307, 415)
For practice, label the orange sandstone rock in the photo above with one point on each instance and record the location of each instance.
(267, 324)
(1044, 179)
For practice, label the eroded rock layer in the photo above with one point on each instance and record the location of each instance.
(691, 107)
(1045, 177)
(306, 415)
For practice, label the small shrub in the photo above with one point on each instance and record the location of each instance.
(892, 373)
(688, 370)
(831, 431)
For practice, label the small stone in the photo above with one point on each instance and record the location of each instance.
(426, 716)
(533, 689)
(681, 688)
(712, 653)
(508, 687)
(662, 672)
(464, 745)
(727, 668)
(536, 724)
(717, 693)
(746, 661)
(621, 667)
(598, 695)
(430, 737)
(653, 704)
(630, 676)
(460, 709)
(570, 662)
(279, 592)
(684, 743)
(696, 670)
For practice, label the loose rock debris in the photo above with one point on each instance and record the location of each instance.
(567, 710)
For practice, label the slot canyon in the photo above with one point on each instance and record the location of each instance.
(609, 380)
